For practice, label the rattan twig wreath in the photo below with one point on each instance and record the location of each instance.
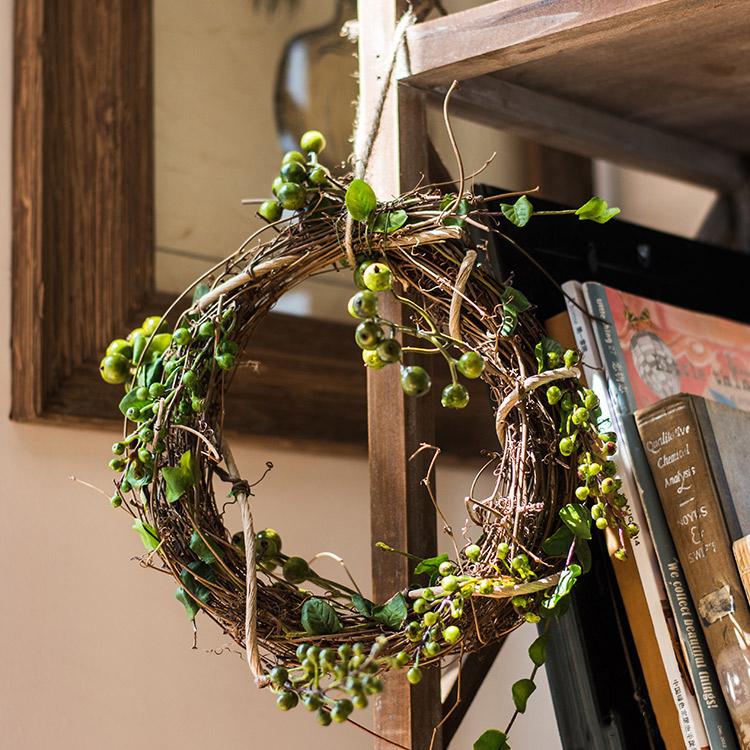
(309, 638)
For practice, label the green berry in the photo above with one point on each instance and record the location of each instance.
(566, 402)
(287, 700)
(118, 448)
(368, 335)
(402, 658)
(446, 568)
(270, 210)
(293, 171)
(225, 361)
(292, 196)
(486, 587)
(554, 394)
(359, 701)
(591, 401)
(452, 634)
(632, 529)
(580, 415)
(621, 554)
(520, 562)
(608, 485)
(567, 446)
(125, 486)
(189, 379)
(389, 351)
(206, 330)
(268, 543)
(276, 184)
(278, 676)
(571, 358)
(430, 619)
(414, 675)
(363, 304)
(520, 602)
(141, 393)
(318, 176)
(116, 464)
(378, 277)
(155, 390)
(115, 501)
(152, 324)
(470, 365)
(415, 381)
(114, 369)
(472, 552)
(594, 469)
(181, 337)
(431, 648)
(296, 570)
(301, 651)
(582, 493)
(420, 606)
(324, 717)
(294, 156)
(371, 359)
(531, 617)
(502, 550)
(312, 140)
(341, 710)
(601, 523)
(312, 702)
(120, 346)
(450, 584)
(144, 455)
(454, 396)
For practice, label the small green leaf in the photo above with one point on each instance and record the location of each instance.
(583, 554)
(202, 570)
(191, 606)
(362, 605)
(201, 549)
(393, 613)
(455, 220)
(577, 518)
(200, 290)
(510, 320)
(538, 650)
(147, 533)
(519, 213)
(543, 348)
(557, 602)
(191, 586)
(389, 221)
(360, 200)
(320, 618)
(515, 299)
(143, 477)
(492, 739)
(559, 543)
(430, 565)
(596, 209)
(522, 691)
(179, 479)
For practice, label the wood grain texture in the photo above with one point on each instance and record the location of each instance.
(586, 131)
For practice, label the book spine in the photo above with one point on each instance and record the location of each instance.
(655, 554)
(672, 432)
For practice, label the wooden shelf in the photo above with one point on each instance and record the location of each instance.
(662, 84)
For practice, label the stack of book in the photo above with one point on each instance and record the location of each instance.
(675, 384)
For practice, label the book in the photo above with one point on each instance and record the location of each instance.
(639, 577)
(649, 350)
(685, 454)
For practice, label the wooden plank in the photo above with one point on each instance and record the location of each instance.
(581, 130)
(506, 33)
(400, 512)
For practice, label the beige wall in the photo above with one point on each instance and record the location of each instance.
(96, 653)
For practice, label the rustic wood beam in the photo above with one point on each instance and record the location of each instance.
(506, 33)
(401, 512)
(581, 130)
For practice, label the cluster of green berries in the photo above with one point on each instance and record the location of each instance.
(269, 556)
(580, 415)
(332, 682)
(376, 338)
(300, 178)
(163, 371)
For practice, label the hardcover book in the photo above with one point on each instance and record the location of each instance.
(650, 350)
(685, 438)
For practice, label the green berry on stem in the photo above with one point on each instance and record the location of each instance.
(141, 393)
(608, 485)
(270, 210)
(415, 381)
(287, 700)
(115, 501)
(189, 378)
(554, 394)
(452, 634)
(594, 469)
(571, 358)
(117, 464)
(582, 493)
(155, 390)
(292, 196)
(359, 274)
(377, 277)
(114, 369)
(414, 675)
(135, 332)
(621, 554)
(225, 361)
(472, 552)
(294, 156)
(118, 448)
(454, 396)
(431, 648)
(368, 335)
(520, 562)
(470, 365)
(503, 549)
(372, 360)
(531, 617)
(363, 304)
(125, 486)
(293, 171)
(152, 324)
(446, 568)
(632, 529)
(301, 651)
(486, 587)
(591, 401)
(580, 415)
(121, 347)
(402, 658)
(296, 570)
(318, 176)
(206, 330)
(450, 584)
(601, 523)
(420, 606)
(359, 701)
(279, 676)
(566, 446)
(276, 184)
(430, 619)
(312, 140)
(389, 351)
(324, 717)
(144, 455)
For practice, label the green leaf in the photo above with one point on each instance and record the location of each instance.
(202, 570)
(137, 481)
(393, 613)
(522, 691)
(510, 320)
(200, 290)
(559, 543)
(430, 565)
(179, 479)
(360, 200)
(131, 399)
(519, 213)
(492, 739)
(320, 618)
(583, 554)
(191, 586)
(389, 221)
(596, 209)
(538, 650)
(362, 605)
(577, 518)
(456, 219)
(513, 298)
(201, 549)
(543, 348)
(147, 533)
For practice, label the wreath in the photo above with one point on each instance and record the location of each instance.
(308, 638)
